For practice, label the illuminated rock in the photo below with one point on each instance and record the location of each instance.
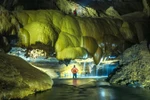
(126, 31)
(69, 7)
(57, 17)
(37, 32)
(135, 67)
(72, 53)
(37, 53)
(90, 45)
(97, 56)
(113, 13)
(24, 37)
(19, 79)
(72, 37)
(66, 40)
(92, 28)
(70, 25)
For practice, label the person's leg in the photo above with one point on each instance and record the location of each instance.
(75, 75)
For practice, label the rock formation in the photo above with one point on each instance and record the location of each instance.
(146, 4)
(70, 36)
(69, 32)
(112, 33)
(19, 79)
(134, 70)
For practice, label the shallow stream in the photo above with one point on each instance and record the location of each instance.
(84, 89)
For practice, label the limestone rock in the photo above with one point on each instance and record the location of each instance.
(88, 45)
(67, 34)
(8, 22)
(73, 8)
(126, 31)
(113, 13)
(146, 5)
(37, 32)
(19, 79)
(97, 56)
(135, 67)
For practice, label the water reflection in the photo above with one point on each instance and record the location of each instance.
(106, 94)
(74, 81)
(65, 92)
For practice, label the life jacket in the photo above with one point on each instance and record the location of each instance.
(74, 70)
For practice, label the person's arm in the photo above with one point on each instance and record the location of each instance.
(77, 69)
(72, 70)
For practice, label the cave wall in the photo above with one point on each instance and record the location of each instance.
(74, 36)
(71, 36)
(135, 67)
(122, 6)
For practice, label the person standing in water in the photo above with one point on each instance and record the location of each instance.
(74, 71)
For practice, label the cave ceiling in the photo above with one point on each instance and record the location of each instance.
(99, 27)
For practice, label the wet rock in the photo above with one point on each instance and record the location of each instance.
(135, 84)
(135, 70)
(103, 83)
(76, 9)
(19, 79)
(88, 84)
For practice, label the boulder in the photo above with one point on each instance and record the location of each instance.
(19, 79)
(135, 70)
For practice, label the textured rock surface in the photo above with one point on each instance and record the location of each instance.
(135, 70)
(69, 7)
(113, 13)
(77, 37)
(71, 36)
(146, 4)
(19, 79)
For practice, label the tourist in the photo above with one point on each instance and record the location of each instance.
(74, 71)
(75, 12)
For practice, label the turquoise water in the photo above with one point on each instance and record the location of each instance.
(106, 69)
